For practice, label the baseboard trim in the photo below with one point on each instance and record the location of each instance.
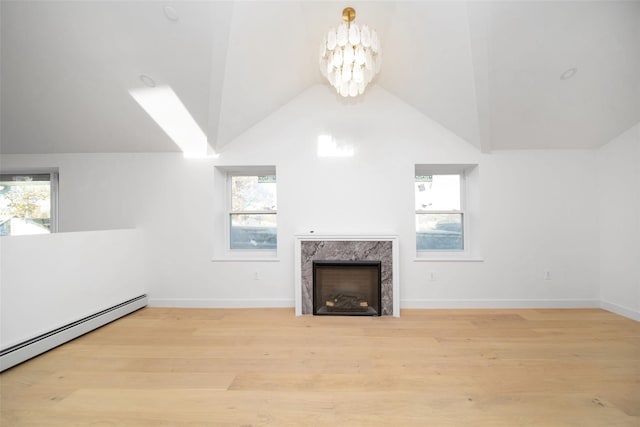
(33, 347)
(500, 303)
(407, 303)
(622, 311)
(221, 303)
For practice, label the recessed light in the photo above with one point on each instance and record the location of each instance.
(568, 74)
(171, 13)
(147, 81)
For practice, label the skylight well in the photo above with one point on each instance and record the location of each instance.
(166, 109)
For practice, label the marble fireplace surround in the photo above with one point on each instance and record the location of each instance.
(310, 247)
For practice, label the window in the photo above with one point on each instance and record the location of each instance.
(447, 212)
(439, 212)
(252, 211)
(28, 204)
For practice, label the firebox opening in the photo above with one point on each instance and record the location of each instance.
(347, 288)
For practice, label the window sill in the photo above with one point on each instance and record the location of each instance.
(452, 258)
(247, 257)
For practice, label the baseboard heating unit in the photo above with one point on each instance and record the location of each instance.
(26, 350)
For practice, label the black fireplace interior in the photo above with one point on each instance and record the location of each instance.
(347, 288)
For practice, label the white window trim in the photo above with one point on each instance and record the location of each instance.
(55, 186)
(469, 251)
(225, 253)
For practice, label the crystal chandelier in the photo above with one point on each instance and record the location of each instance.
(350, 56)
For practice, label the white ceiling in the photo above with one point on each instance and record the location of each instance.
(488, 71)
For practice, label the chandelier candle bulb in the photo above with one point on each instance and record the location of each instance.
(365, 37)
(353, 88)
(359, 55)
(350, 56)
(358, 77)
(331, 39)
(337, 58)
(342, 35)
(354, 35)
(346, 73)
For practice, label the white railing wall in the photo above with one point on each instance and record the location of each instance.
(49, 281)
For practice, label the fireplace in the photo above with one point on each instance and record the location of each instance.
(347, 288)
(339, 247)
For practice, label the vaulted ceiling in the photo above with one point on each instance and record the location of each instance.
(491, 72)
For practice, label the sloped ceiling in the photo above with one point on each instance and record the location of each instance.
(488, 71)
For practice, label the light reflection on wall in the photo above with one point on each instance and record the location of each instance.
(328, 147)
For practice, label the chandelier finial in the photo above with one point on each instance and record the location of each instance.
(348, 14)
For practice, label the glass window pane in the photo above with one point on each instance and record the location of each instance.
(253, 193)
(437, 192)
(25, 205)
(439, 232)
(255, 231)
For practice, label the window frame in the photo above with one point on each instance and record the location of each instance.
(468, 209)
(246, 171)
(53, 193)
(461, 212)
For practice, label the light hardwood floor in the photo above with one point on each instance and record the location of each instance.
(254, 367)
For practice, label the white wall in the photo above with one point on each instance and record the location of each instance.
(96, 190)
(537, 208)
(536, 216)
(619, 211)
(51, 280)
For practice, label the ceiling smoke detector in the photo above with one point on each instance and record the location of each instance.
(568, 74)
(171, 13)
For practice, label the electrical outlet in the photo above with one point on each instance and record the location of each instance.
(256, 276)
(547, 275)
(432, 276)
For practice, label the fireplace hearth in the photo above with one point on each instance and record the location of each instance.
(347, 288)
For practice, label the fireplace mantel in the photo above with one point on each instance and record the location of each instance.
(364, 238)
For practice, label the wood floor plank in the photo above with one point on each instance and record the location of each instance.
(266, 367)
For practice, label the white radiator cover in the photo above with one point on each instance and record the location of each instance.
(33, 347)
